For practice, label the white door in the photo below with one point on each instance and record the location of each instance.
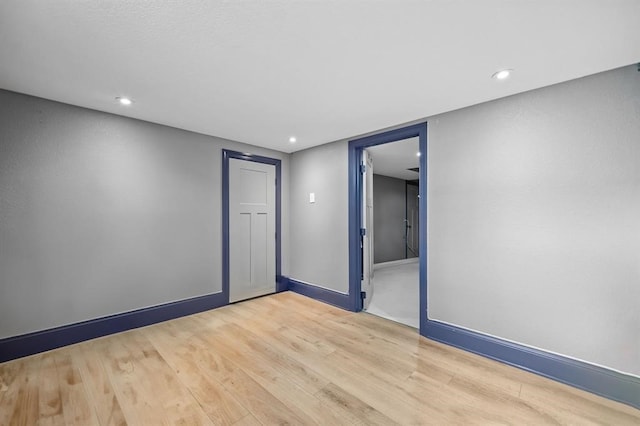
(367, 223)
(252, 229)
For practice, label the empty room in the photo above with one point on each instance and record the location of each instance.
(319, 212)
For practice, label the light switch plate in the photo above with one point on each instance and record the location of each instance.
(312, 197)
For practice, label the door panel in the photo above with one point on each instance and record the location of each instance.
(260, 250)
(252, 184)
(252, 230)
(240, 244)
(367, 221)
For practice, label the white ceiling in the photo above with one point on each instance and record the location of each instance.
(260, 71)
(393, 159)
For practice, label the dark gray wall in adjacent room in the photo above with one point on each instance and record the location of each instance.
(413, 216)
(101, 214)
(388, 218)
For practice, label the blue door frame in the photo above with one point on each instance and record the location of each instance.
(226, 156)
(599, 380)
(356, 147)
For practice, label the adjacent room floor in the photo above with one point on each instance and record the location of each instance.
(396, 292)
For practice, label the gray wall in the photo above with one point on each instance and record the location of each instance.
(533, 207)
(534, 218)
(389, 205)
(101, 214)
(319, 231)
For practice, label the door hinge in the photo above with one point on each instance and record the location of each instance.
(363, 295)
(363, 232)
(363, 168)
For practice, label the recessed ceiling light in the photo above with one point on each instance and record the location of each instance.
(293, 139)
(501, 75)
(124, 101)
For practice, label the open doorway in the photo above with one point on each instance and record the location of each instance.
(391, 187)
(362, 235)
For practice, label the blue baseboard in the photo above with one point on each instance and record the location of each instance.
(601, 381)
(40, 341)
(331, 297)
(282, 283)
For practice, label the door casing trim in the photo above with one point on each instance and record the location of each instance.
(355, 210)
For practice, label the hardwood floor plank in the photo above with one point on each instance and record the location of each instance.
(221, 407)
(50, 398)
(572, 403)
(272, 372)
(284, 359)
(291, 382)
(76, 405)
(470, 366)
(306, 406)
(366, 349)
(247, 420)
(349, 407)
(225, 363)
(265, 407)
(147, 388)
(367, 386)
(24, 397)
(12, 377)
(487, 399)
(261, 352)
(429, 373)
(298, 302)
(392, 329)
(99, 386)
(411, 393)
(297, 340)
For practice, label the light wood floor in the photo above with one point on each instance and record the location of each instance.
(284, 359)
